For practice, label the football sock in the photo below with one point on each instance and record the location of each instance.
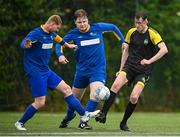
(75, 104)
(70, 112)
(91, 105)
(129, 110)
(108, 103)
(29, 113)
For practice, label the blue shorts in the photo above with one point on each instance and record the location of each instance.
(40, 82)
(82, 81)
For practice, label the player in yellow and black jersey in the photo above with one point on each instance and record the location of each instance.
(137, 60)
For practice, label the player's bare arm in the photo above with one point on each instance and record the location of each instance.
(71, 46)
(125, 54)
(162, 51)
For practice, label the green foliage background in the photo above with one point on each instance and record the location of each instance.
(18, 17)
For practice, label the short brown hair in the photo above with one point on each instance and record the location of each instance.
(142, 15)
(54, 18)
(80, 13)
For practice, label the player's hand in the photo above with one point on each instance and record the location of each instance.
(28, 43)
(124, 45)
(62, 59)
(71, 46)
(145, 62)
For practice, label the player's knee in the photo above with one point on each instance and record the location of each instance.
(39, 104)
(134, 99)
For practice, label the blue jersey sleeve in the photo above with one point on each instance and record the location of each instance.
(32, 36)
(111, 27)
(59, 49)
(68, 37)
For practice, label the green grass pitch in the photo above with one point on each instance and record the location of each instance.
(46, 124)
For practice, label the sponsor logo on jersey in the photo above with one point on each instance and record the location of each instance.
(80, 37)
(47, 46)
(143, 79)
(146, 42)
(92, 34)
(52, 37)
(44, 37)
(90, 42)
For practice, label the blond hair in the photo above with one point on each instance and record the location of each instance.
(54, 18)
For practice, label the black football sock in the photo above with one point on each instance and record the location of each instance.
(108, 103)
(129, 110)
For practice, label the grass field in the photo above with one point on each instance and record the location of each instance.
(46, 124)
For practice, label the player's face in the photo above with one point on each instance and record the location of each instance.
(140, 24)
(82, 23)
(55, 27)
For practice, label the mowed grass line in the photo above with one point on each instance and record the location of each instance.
(46, 124)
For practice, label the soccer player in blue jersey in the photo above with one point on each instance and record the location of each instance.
(37, 47)
(138, 58)
(90, 59)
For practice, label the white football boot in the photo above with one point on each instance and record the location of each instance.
(88, 115)
(20, 126)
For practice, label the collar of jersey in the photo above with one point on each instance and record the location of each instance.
(44, 29)
(86, 29)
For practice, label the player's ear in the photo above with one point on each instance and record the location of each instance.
(146, 21)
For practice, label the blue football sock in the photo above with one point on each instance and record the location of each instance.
(70, 112)
(29, 113)
(75, 104)
(91, 105)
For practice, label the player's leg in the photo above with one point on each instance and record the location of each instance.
(140, 81)
(79, 94)
(82, 81)
(38, 88)
(118, 83)
(79, 86)
(91, 104)
(71, 100)
(70, 113)
(95, 80)
(131, 105)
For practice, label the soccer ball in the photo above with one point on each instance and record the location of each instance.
(102, 93)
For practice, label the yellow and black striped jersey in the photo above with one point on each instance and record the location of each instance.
(141, 46)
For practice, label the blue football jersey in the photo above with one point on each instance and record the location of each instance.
(90, 55)
(37, 57)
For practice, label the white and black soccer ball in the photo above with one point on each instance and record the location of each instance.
(102, 93)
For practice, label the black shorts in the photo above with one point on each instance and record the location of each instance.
(133, 76)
